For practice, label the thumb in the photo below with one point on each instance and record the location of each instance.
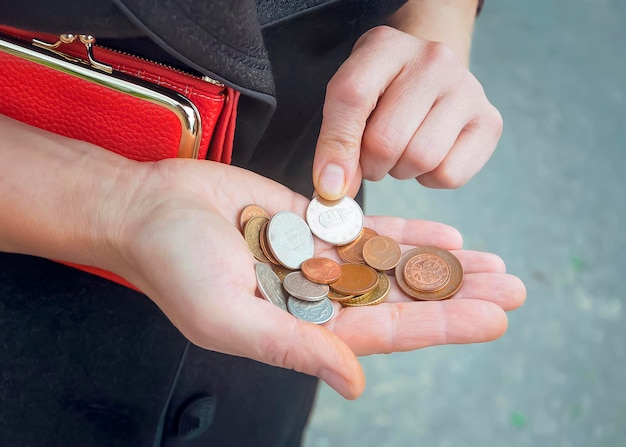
(265, 333)
(336, 170)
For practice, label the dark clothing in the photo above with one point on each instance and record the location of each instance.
(86, 362)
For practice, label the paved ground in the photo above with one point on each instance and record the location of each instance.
(552, 203)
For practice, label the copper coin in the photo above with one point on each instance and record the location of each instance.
(252, 234)
(453, 284)
(381, 253)
(321, 270)
(427, 272)
(374, 297)
(249, 212)
(264, 245)
(356, 279)
(353, 252)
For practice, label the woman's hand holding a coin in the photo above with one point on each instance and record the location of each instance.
(183, 247)
(172, 229)
(407, 107)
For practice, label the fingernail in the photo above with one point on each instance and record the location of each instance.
(332, 181)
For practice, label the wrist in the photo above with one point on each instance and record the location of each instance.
(60, 198)
(450, 22)
(115, 197)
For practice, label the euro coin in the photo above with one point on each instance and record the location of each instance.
(336, 296)
(374, 297)
(353, 252)
(356, 279)
(321, 270)
(381, 253)
(249, 212)
(252, 234)
(280, 271)
(429, 272)
(264, 244)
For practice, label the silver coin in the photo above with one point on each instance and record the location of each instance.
(270, 286)
(290, 239)
(299, 287)
(317, 312)
(337, 222)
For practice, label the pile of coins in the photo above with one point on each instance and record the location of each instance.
(289, 276)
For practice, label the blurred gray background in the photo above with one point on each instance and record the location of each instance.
(551, 203)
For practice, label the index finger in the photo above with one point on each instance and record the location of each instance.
(351, 96)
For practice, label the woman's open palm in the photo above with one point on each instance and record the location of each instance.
(186, 252)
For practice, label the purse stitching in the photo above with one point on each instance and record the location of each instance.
(158, 81)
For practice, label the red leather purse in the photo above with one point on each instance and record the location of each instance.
(137, 108)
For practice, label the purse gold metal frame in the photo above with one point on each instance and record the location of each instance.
(179, 105)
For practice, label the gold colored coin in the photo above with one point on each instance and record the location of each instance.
(374, 297)
(449, 289)
(357, 299)
(336, 296)
(353, 252)
(356, 279)
(321, 270)
(281, 271)
(249, 212)
(381, 253)
(265, 246)
(252, 234)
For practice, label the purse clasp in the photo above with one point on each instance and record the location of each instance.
(86, 39)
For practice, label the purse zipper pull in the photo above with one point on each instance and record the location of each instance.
(86, 39)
